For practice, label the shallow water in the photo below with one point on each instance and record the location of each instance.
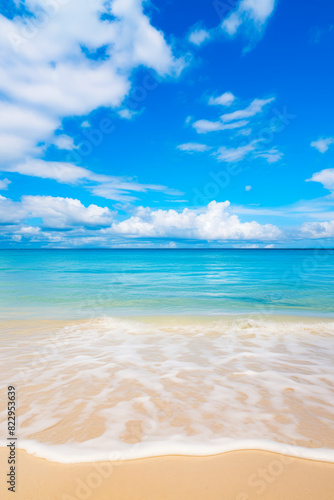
(117, 388)
(126, 354)
(90, 283)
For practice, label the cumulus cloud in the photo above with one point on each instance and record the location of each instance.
(250, 14)
(55, 212)
(51, 70)
(193, 147)
(225, 99)
(11, 212)
(198, 36)
(322, 145)
(316, 230)
(213, 223)
(21, 128)
(65, 212)
(325, 177)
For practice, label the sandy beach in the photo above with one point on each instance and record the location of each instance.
(244, 475)
(170, 407)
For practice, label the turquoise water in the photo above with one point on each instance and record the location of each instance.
(88, 283)
(151, 378)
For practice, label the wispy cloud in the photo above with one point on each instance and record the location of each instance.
(225, 99)
(234, 154)
(199, 36)
(4, 183)
(253, 109)
(205, 126)
(105, 186)
(249, 14)
(64, 141)
(322, 145)
(248, 121)
(193, 147)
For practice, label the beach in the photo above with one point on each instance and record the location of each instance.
(166, 250)
(236, 405)
(244, 475)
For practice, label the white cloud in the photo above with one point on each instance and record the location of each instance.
(105, 186)
(234, 154)
(205, 126)
(11, 212)
(231, 24)
(60, 171)
(34, 234)
(230, 121)
(29, 230)
(322, 145)
(55, 212)
(21, 129)
(248, 188)
(46, 75)
(122, 190)
(127, 114)
(271, 155)
(64, 142)
(325, 177)
(251, 13)
(239, 149)
(253, 109)
(317, 230)
(4, 183)
(198, 36)
(65, 212)
(193, 147)
(225, 99)
(213, 223)
(245, 131)
(16, 237)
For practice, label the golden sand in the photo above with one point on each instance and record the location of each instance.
(241, 475)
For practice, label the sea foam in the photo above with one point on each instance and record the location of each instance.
(117, 389)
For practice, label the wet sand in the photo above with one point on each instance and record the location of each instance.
(241, 475)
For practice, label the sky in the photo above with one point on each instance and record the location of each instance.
(166, 124)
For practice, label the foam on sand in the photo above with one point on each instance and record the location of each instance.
(115, 389)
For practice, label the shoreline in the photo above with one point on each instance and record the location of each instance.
(75, 453)
(283, 317)
(238, 475)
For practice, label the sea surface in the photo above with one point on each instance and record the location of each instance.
(88, 283)
(121, 354)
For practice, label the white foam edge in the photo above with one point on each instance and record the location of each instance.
(82, 453)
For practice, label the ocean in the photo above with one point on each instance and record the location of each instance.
(72, 284)
(120, 354)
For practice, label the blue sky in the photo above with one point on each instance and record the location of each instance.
(166, 124)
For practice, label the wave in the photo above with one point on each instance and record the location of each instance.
(116, 389)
